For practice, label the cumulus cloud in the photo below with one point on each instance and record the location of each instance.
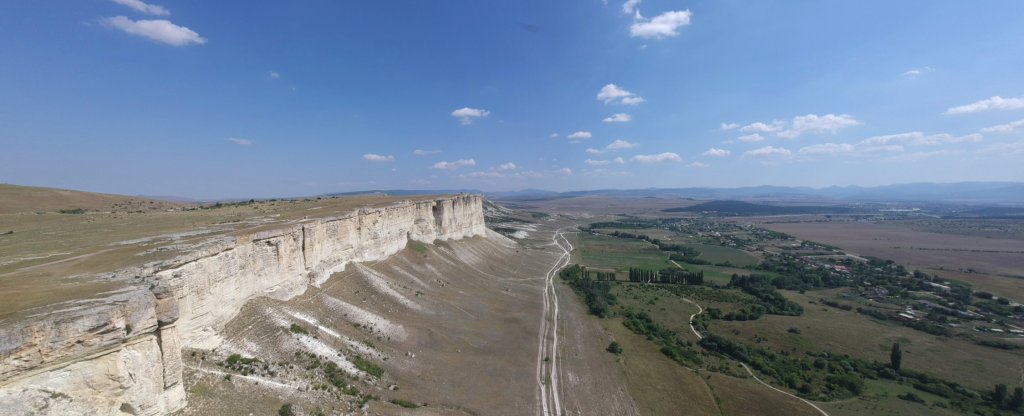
(454, 165)
(592, 162)
(373, 157)
(729, 126)
(141, 7)
(420, 152)
(240, 142)
(563, 171)
(713, 152)
(658, 158)
(629, 6)
(611, 147)
(750, 138)
(698, 165)
(1005, 128)
(661, 26)
(993, 103)
(618, 118)
(813, 123)
(760, 127)
(579, 136)
(619, 160)
(158, 30)
(768, 152)
(466, 115)
(916, 138)
(275, 75)
(507, 166)
(619, 145)
(916, 72)
(612, 94)
(827, 148)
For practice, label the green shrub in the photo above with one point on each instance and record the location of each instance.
(296, 329)
(405, 403)
(614, 348)
(286, 410)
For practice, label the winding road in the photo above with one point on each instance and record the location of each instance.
(547, 348)
(700, 310)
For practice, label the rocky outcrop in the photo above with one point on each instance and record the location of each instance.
(122, 354)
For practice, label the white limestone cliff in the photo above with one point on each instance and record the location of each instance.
(122, 354)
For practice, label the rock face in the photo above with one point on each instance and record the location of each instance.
(122, 354)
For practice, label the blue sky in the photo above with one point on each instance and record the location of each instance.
(274, 98)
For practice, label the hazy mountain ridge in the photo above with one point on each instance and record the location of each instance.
(1009, 193)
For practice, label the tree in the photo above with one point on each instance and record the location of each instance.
(614, 348)
(999, 394)
(896, 356)
(1018, 398)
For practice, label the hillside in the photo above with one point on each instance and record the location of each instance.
(15, 198)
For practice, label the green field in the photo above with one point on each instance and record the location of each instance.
(721, 254)
(619, 254)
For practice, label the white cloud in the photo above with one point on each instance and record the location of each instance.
(661, 157)
(373, 157)
(713, 152)
(275, 75)
(916, 138)
(729, 126)
(827, 149)
(454, 165)
(913, 157)
(1005, 128)
(554, 135)
(507, 166)
(750, 138)
(633, 100)
(592, 162)
(762, 127)
(580, 135)
(914, 73)
(619, 160)
(611, 94)
(629, 6)
(661, 26)
(813, 123)
(466, 114)
(994, 103)
(159, 30)
(563, 171)
(768, 152)
(618, 118)
(698, 165)
(241, 142)
(141, 7)
(420, 152)
(611, 147)
(619, 145)
(1004, 149)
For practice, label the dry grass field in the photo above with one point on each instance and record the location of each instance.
(48, 257)
(997, 263)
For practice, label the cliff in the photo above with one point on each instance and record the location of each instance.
(121, 354)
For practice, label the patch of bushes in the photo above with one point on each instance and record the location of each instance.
(614, 348)
(405, 403)
(368, 367)
(297, 329)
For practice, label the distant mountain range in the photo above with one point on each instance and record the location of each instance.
(1011, 193)
(1001, 193)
